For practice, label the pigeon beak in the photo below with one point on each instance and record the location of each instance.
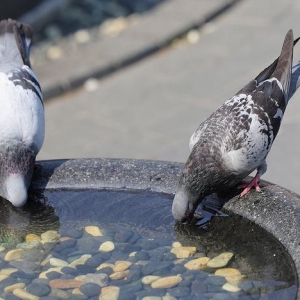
(188, 216)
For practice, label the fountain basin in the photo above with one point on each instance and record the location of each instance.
(134, 181)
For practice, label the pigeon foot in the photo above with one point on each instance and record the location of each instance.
(247, 186)
(206, 213)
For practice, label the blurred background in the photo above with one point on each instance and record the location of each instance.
(135, 78)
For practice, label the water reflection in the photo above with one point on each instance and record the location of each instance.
(139, 221)
(35, 217)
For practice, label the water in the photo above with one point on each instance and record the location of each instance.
(141, 227)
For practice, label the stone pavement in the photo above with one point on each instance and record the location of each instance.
(149, 109)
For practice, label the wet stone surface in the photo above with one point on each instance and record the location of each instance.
(145, 259)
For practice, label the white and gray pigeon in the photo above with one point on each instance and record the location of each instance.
(22, 122)
(236, 139)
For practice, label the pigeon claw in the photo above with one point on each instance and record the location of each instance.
(248, 186)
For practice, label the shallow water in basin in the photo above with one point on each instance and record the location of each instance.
(126, 238)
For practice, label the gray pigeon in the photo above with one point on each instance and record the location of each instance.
(22, 121)
(236, 139)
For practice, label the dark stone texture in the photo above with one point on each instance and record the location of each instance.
(133, 275)
(142, 255)
(88, 245)
(179, 291)
(198, 288)
(38, 289)
(106, 270)
(123, 236)
(6, 282)
(132, 288)
(147, 245)
(70, 270)
(94, 261)
(65, 244)
(155, 292)
(72, 233)
(126, 248)
(126, 296)
(53, 275)
(215, 280)
(178, 269)
(156, 269)
(10, 297)
(90, 289)
(84, 269)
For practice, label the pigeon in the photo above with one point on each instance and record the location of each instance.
(236, 139)
(22, 121)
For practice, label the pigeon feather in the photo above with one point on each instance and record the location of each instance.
(22, 123)
(236, 139)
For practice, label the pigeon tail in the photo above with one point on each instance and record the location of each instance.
(284, 65)
(15, 42)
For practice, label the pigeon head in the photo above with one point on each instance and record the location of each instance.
(16, 190)
(190, 192)
(197, 181)
(183, 205)
(16, 169)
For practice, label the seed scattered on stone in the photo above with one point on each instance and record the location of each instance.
(230, 288)
(32, 238)
(77, 291)
(93, 230)
(105, 265)
(46, 260)
(8, 271)
(14, 254)
(80, 261)
(176, 245)
(43, 275)
(166, 282)
(50, 236)
(183, 252)
(197, 264)
(24, 295)
(11, 288)
(226, 272)
(2, 277)
(119, 275)
(235, 279)
(149, 279)
(168, 297)
(220, 260)
(109, 293)
(64, 238)
(121, 265)
(107, 246)
(56, 262)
